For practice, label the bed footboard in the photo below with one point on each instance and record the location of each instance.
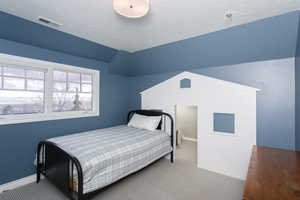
(58, 167)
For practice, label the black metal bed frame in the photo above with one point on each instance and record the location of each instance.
(58, 166)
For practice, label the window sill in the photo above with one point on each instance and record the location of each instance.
(44, 117)
(224, 134)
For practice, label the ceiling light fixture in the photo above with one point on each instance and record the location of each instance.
(131, 8)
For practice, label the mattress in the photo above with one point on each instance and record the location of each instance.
(107, 155)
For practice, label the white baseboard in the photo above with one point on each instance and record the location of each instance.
(18, 183)
(189, 139)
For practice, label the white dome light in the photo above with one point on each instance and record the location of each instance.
(131, 8)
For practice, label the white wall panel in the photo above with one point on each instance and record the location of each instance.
(227, 154)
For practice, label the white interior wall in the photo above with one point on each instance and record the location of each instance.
(186, 120)
(218, 152)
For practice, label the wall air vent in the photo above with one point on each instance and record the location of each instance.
(49, 22)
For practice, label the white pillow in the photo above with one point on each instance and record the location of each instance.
(144, 122)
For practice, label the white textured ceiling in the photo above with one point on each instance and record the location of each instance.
(168, 20)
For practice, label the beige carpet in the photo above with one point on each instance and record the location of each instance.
(160, 181)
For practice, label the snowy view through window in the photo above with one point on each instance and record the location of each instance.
(21, 91)
(72, 91)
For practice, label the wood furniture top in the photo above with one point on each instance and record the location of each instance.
(273, 174)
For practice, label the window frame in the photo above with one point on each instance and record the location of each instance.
(73, 92)
(221, 133)
(49, 67)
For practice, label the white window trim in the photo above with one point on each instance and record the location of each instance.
(220, 133)
(49, 68)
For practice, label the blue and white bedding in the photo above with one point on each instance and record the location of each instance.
(107, 155)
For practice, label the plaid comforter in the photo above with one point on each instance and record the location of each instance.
(108, 154)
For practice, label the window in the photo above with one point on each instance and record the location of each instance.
(34, 90)
(72, 91)
(21, 91)
(224, 123)
(185, 83)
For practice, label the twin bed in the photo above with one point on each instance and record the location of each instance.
(82, 163)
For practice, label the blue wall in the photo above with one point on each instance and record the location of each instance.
(297, 91)
(271, 38)
(20, 30)
(120, 63)
(275, 101)
(19, 141)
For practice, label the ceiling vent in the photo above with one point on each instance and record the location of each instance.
(49, 22)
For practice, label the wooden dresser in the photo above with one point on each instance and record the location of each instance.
(273, 174)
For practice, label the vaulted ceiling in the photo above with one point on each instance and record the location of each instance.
(168, 20)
